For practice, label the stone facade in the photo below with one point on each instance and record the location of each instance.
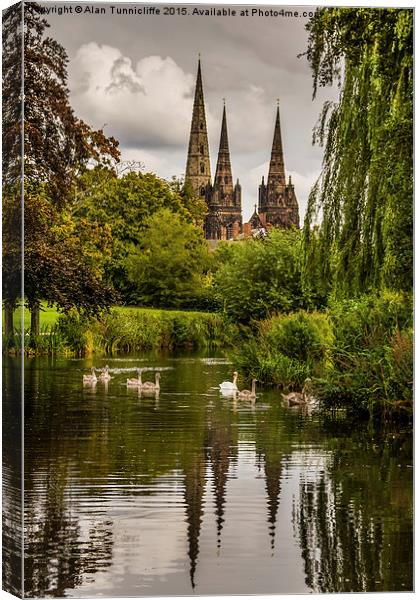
(277, 203)
(224, 219)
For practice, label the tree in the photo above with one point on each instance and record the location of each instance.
(365, 191)
(59, 266)
(169, 264)
(257, 278)
(124, 204)
(57, 146)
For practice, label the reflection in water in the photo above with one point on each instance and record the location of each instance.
(348, 537)
(195, 480)
(11, 478)
(133, 495)
(222, 442)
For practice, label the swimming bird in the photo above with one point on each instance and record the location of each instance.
(136, 382)
(150, 386)
(299, 398)
(90, 379)
(105, 376)
(248, 394)
(228, 386)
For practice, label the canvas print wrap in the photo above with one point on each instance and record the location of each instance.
(207, 299)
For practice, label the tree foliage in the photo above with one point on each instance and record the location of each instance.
(59, 265)
(169, 264)
(123, 205)
(364, 195)
(57, 145)
(259, 277)
(43, 135)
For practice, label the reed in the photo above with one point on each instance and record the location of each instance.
(137, 329)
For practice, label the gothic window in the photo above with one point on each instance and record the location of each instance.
(201, 149)
(201, 168)
(201, 126)
(226, 179)
(202, 191)
(229, 231)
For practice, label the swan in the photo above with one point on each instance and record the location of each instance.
(90, 378)
(136, 382)
(248, 395)
(229, 386)
(105, 376)
(149, 386)
(299, 398)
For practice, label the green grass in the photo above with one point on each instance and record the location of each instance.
(48, 316)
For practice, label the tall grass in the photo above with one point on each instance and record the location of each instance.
(49, 341)
(136, 329)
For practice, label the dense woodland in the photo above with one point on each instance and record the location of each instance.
(335, 303)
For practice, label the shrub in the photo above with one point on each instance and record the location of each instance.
(287, 349)
(257, 278)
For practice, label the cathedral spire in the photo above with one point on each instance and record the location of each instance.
(276, 173)
(223, 178)
(198, 173)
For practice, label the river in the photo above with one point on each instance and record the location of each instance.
(192, 492)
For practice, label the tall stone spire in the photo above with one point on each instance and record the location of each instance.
(198, 173)
(224, 219)
(223, 178)
(276, 173)
(277, 203)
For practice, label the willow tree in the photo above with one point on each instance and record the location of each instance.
(363, 199)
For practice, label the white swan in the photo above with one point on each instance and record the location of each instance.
(150, 386)
(248, 394)
(105, 376)
(90, 379)
(136, 382)
(229, 386)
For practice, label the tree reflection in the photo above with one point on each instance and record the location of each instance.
(12, 533)
(353, 519)
(84, 452)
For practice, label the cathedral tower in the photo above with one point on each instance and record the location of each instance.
(277, 203)
(224, 219)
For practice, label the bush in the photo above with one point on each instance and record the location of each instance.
(287, 349)
(359, 354)
(257, 278)
(74, 328)
(372, 368)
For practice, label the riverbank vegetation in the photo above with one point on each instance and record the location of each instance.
(332, 302)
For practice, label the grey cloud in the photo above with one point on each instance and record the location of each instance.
(249, 61)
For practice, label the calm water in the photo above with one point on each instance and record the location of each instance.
(194, 493)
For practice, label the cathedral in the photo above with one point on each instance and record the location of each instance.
(277, 203)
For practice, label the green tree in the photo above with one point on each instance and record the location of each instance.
(59, 266)
(169, 264)
(124, 204)
(365, 191)
(260, 277)
(56, 146)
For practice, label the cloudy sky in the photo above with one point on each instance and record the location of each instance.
(136, 74)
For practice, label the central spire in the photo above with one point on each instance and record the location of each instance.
(223, 178)
(276, 173)
(198, 173)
